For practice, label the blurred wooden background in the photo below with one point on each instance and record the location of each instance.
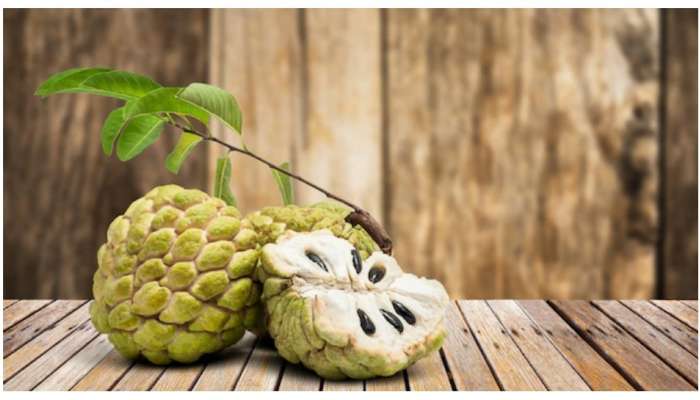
(510, 153)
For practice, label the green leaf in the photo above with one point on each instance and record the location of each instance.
(67, 81)
(120, 84)
(222, 189)
(111, 128)
(139, 133)
(163, 100)
(217, 101)
(184, 146)
(284, 183)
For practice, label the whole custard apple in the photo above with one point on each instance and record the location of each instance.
(175, 278)
(345, 317)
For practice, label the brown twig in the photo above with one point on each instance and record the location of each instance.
(357, 217)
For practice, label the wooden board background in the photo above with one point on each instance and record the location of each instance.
(510, 153)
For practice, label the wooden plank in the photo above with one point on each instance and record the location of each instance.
(256, 55)
(679, 171)
(590, 365)
(691, 303)
(7, 303)
(77, 366)
(348, 385)
(178, 377)
(506, 130)
(223, 369)
(140, 377)
(641, 367)
(673, 328)
(57, 161)
(341, 144)
(45, 341)
(105, 374)
(666, 349)
(428, 374)
(511, 368)
(297, 378)
(394, 383)
(467, 365)
(43, 366)
(33, 325)
(678, 310)
(262, 372)
(554, 370)
(21, 310)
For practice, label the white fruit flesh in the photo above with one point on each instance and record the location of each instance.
(336, 294)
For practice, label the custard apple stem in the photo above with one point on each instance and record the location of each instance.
(357, 217)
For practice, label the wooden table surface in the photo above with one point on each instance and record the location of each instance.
(491, 345)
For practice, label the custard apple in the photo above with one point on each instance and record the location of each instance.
(344, 317)
(175, 277)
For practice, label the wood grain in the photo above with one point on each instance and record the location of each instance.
(514, 148)
(396, 382)
(611, 345)
(691, 303)
(75, 368)
(673, 328)
(21, 310)
(45, 341)
(673, 354)
(428, 374)
(511, 153)
(7, 303)
(348, 385)
(105, 374)
(34, 324)
(510, 366)
(256, 55)
(298, 378)
(467, 365)
(590, 365)
(681, 312)
(640, 365)
(679, 204)
(262, 372)
(140, 377)
(223, 370)
(178, 377)
(554, 370)
(61, 189)
(341, 144)
(42, 367)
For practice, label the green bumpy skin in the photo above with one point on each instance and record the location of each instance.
(270, 222)
(175, 278)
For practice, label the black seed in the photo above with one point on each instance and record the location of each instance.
(356, 260)
(376, 274)
(366, 323)
(404, 312)
(313, 257)
(393, 320)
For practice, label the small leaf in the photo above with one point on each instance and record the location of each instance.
(217, 101)
(111, 128)
(284, 183)
(120, 84)
(139, 133)
(185, 145)
(222, 180)
(67, 81)
(163, 100)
